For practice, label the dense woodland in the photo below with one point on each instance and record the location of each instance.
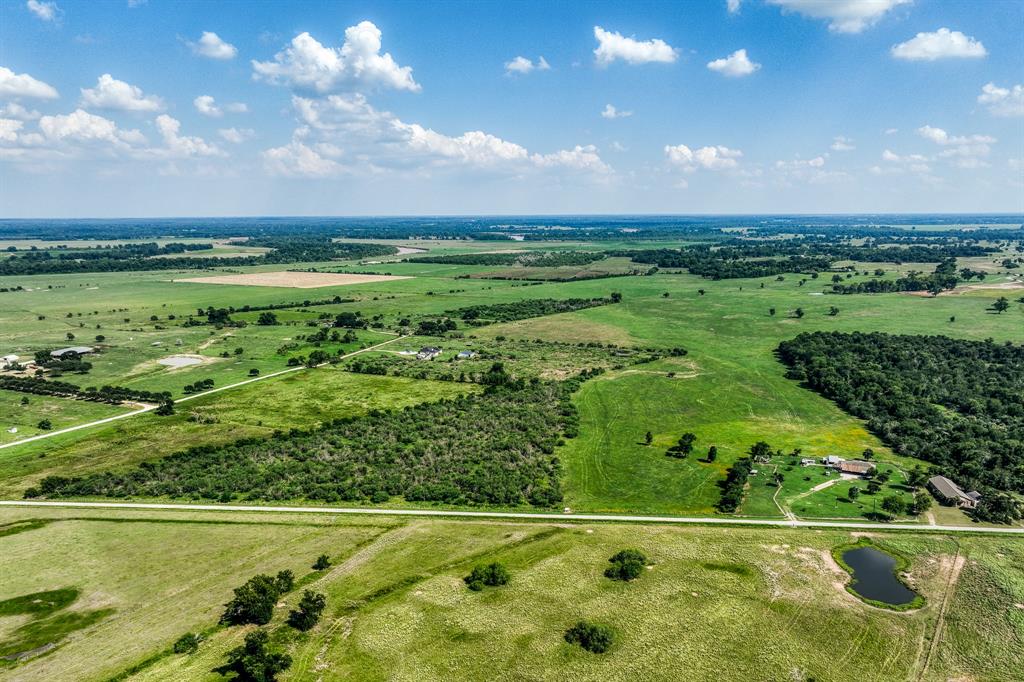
(494, 448)
(536, 259)
(131, 258)
(533, 307)
(958, 404)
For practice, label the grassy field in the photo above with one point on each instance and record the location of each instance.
(301, 400)
(61, 413)
(728, 604)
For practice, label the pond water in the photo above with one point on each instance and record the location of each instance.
(874, 576)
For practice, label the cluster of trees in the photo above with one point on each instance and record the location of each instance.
(496, 448)
(944, 278)
(536, 259)
(958, 404)
(492, 575)
(532, 307)
(626, 565)
(436, 327)
(198, 387)
(115, 395)
(137, 257)
(254, 601)
(593, 637)
(734, 484)
(721, 264)
(683, 447)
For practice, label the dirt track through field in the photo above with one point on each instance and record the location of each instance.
(293, 280)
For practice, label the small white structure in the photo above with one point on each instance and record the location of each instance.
(808, 462)
(832, 460)
(8, 360)
(71, 350)
(466, 355)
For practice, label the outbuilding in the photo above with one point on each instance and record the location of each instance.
(8, 360)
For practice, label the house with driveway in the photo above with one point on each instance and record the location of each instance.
(949, 493)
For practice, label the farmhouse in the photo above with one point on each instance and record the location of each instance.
(832, 460)
(808, 461)
(950, 493)
(856, 466)
(8, 360)
(428, 353)
(71, 350)
(466, 355)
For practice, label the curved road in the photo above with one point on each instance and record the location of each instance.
(528, 516)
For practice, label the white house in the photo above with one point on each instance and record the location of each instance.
(8, 360)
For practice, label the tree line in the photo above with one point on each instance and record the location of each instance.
(115, 395)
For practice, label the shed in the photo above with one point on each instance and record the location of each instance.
(466, 355)
(856, 466)
(8, 360)
(832, 460)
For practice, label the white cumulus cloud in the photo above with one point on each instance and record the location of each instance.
(735, 65)
(236, 135)
(111, 93)
(207, 106)
(23, 85)
(522, 66)
(16, 111)
(295, 159)
(211, 45)
(612, 46)
(47, 11)
(941, 44)
(180, 145)
(733, 6)
(1002, 101)
(610, 112)
(306, 64)
(81, 126)
(716, 157)
(844, 16)
(842, 144)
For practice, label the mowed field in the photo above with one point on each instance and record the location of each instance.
(720, 603)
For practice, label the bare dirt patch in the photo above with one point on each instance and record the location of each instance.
(292, 280)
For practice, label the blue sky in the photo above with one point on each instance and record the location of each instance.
(160, 108)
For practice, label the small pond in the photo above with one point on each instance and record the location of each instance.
(874, 576)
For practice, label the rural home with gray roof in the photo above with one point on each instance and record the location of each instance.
(948, 492)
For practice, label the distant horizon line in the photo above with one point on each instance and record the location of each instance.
(1015, 214)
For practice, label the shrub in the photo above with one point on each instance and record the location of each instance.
(492, 575)
(593, 637)
(251, 662)
(323, 562)
(253, 602)
(187, 643)
(626, 565)
(308, 612)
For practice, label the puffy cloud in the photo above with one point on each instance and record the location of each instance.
(16, 111)
(297, 160)
(891, 131)
(842, 144)
(844, 16)
(1002, 101)
(940, 136)
(942, 44)
(82, 127)
(308, 65)
(236, 135)
(799, 164)
(210, 45)
(612, 45)
(733, 6)
(610, 112)
(111, 93)
(711, 158)
(47, 11)
(523, 66)
(180, 145)
(23, 85)
(207, 106)
(378, 140)
(9, 129)
(735, 65)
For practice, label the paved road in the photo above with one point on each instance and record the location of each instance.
(150, 408)
(696, 520)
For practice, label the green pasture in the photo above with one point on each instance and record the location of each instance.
(721, 603)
